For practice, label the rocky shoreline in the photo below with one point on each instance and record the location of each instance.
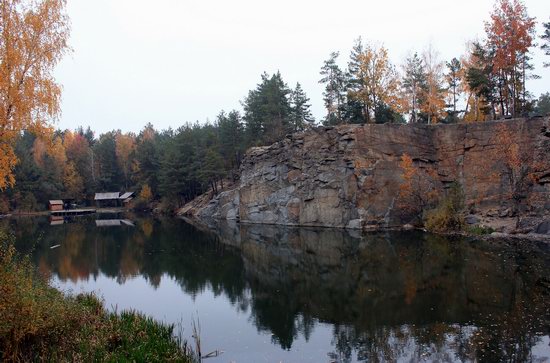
(349, 176)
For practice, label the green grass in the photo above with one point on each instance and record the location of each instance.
(479, 230)
(39, 323)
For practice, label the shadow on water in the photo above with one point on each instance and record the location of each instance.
(387, 296)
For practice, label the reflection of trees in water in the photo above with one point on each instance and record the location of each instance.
(388, 296)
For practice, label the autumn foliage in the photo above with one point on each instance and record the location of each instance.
(517, 167)
(33, 38)
(418, 190)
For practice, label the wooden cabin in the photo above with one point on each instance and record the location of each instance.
(127, 197)
(107, 199)
(114, 199)
(56, 205)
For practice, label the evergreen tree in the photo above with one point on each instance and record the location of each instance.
(108, 173)
(88, 134)
(174, 175)
(546, 41)
(212, 169)
(354, 108)
(542, 106)
(482, 82)
(414, 84)
(231, 134)
(147, 159)
(453, 78)
(267, 110)
(385, 114)
(27, 175)
(300, 114)
(334, 94)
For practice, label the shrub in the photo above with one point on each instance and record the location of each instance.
(448, 215)
(480, 230)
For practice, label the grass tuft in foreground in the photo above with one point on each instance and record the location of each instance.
(39, 323)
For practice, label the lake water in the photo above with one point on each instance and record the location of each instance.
(272, 294)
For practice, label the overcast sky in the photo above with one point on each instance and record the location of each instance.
(172, 61)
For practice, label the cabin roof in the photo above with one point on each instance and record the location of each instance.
(56, 202)
(126, 195)
(106, 196)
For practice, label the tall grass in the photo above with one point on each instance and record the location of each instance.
(39, 323)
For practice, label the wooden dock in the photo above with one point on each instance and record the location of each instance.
(72, 212)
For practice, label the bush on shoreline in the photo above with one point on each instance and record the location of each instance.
(40, 323)
(448, 215)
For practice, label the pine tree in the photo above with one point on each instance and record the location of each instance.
(109, 175)
(147, 158)
(300, 114)
(334, 94)
(414, 82)
(267, 110)
(542, 106)
(453, 78)
(354, 82)
(231, 135)
(546, 39)
(481, 82)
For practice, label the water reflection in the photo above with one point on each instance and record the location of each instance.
(385, 297)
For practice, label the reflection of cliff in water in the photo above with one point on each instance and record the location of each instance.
(386, 293)
(387, 296)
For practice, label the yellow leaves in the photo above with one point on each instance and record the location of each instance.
(73, 182)
(51, 146)
(125, 146)
(34, 38)
(379, 79)
(124, 149)
(57, 152)
(146, 194)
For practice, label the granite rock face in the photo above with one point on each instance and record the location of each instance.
(349, 176)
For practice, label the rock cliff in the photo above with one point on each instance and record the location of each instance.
(350, 176)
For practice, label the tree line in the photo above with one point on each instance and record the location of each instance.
(173, 166)
(38, 163)
(488, 82)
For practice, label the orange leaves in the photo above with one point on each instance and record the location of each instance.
(510, 35)
(434, 94)
(33, 38)
(146, 194)
(409, 171)
(510, 32)
(73, 182)
(418, 188)
(8, 160)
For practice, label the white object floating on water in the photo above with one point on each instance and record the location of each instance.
(52, 247)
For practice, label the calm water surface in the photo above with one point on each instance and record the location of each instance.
(271, 294)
